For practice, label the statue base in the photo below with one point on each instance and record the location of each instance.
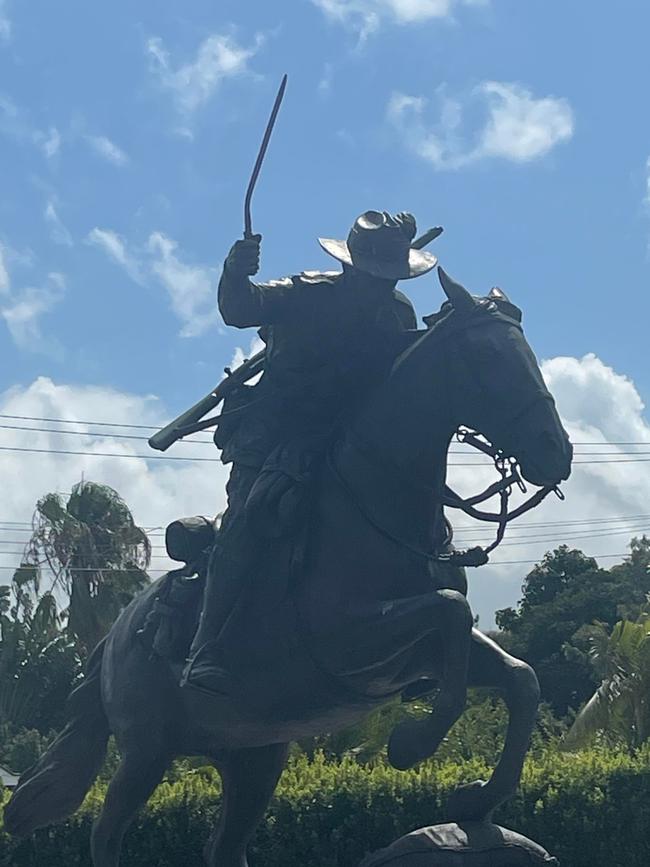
(468, 844)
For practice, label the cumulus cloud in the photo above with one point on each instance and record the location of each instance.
(58, 231)
(157, 491)
(364, 17)
(189, 287)
(498, 119)
(107, 150)
(597, 404)
(193, 83)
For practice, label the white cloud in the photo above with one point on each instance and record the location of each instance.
(16, 123)
(191, 288)
(192, 84)
(107, 149)
(157, 491)
(23, 308)
(116, 249)
(364, 17)
(5, 23)
(51, 144)
(599, 406)
(596, 403)
(58, 231)
(515, 125)
(22, 312)
(5, 284)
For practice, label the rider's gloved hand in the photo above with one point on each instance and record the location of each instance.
(244, 256)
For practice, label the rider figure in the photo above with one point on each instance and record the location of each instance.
(329, 337)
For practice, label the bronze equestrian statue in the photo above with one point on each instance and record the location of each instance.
(330, 337)
(352, 597)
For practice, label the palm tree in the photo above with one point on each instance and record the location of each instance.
(620, 707)
(94, 554)
(38, 661)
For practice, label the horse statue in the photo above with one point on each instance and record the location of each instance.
(370, 614)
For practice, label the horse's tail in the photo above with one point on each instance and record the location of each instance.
(56, 785)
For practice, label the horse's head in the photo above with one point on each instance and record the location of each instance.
(496, 384)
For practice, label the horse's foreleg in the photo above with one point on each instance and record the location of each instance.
(135, 779)
(413, 741)
(491, 666)
(249, 778)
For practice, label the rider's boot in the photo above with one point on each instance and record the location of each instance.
(224, 581)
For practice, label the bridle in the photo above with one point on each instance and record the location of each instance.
(508, 469)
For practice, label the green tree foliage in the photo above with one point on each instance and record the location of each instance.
(85, 561)
(562, 595)
(619, 709)
(590, 809)
(96, 554)
(38, 661)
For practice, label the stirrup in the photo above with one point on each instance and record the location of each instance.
(204, 674)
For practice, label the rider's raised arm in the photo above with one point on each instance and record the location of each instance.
(243, 303)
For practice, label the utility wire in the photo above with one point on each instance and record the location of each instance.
(547, 540)
(157, 427)
(518, 562)
(491, 563)
(79, 421)
(106, 454)
(218, 460)
(210, 442)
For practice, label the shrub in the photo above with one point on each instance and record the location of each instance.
(591, 809)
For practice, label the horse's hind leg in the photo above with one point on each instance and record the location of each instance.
(491, 666)
(249, 778)
(137, 776)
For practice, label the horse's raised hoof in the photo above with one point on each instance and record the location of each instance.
(415, 740)
(473, 802)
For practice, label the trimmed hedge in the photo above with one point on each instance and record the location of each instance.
(591, 809)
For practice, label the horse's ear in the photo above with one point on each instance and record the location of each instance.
(457, 294)
(498, 294)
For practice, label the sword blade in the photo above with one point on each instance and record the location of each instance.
(248, 223)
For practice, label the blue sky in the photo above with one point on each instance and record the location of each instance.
(128, 132)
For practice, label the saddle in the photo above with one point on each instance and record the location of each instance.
(170, 624)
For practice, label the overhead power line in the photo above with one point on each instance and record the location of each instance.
(218, 460)
(106, 454)
(209, 440)
(519, 562)
(80, 421)
(90, 433)
(491, 563)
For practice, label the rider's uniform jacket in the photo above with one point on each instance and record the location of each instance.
(327, 343)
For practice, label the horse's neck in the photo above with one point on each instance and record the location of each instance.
(394, 454)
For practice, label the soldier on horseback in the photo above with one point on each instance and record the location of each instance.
(329, 337)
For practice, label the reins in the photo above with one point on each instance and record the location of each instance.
(510, 476)
(508, 468)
